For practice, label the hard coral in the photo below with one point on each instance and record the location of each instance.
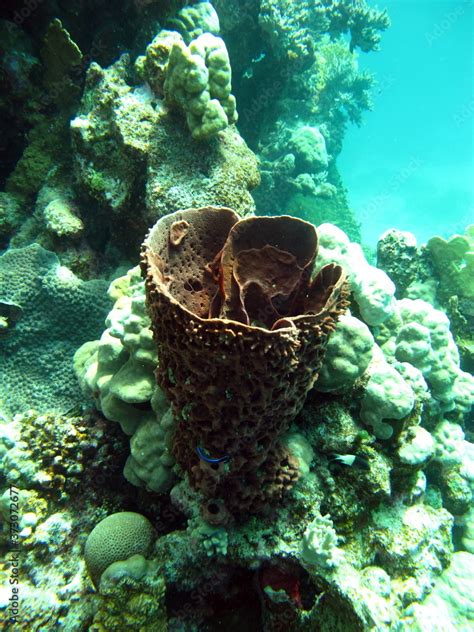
(118, 537)
(241, 329)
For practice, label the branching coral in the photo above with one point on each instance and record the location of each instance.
(341, 91)
(364, 23)
(241, 330)
(293, 29)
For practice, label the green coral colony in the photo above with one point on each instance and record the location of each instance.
(270, 432)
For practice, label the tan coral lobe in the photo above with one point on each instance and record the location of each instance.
(241, 328)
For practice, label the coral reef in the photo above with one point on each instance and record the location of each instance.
(130, 152)
(419, 334)
(320, 544)
(294, 31)
(449, 606)
(283, 433)
(118, 372)
(54, 470)
(453, 262)
(373, 289)
(122, 149)
(362, 536)
(303, 82)
(348, 354)
(439, 272)
(58, 455)
(195, 20)
(132, 595)
(61, 58)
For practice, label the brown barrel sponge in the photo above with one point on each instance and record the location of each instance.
(241, 326)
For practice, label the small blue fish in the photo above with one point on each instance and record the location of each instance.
(204, 457)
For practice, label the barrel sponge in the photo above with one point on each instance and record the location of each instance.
(116, 538)
(241, 328)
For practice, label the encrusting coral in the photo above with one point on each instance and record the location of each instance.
(35, 355)
(238, 322)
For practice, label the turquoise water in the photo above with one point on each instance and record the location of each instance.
(411, 163)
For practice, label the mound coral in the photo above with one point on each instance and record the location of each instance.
(132, 597)
(453, 260)
(241, 330)
(117, 372)
(419, 334)
(199, 81)
(117, 538)
(192, 21)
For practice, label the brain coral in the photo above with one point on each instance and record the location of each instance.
(241, 329)
(116, 538)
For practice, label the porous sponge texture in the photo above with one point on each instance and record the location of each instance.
(198, 80)
(241, 330)
(116, 538)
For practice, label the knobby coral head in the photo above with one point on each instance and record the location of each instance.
(241, 327)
